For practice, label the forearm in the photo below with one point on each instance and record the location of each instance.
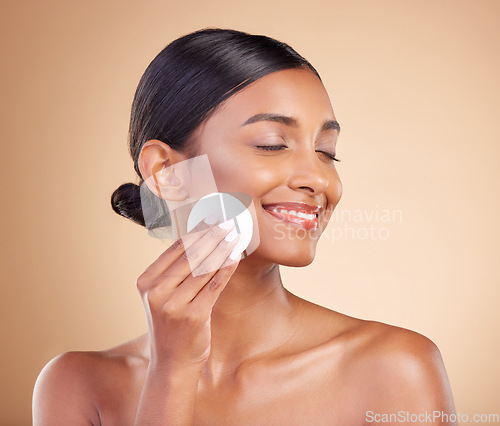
(168, 397)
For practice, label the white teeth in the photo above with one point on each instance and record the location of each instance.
(294, 213)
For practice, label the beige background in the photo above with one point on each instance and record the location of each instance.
(415, 87)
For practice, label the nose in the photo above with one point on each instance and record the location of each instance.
(308, 174)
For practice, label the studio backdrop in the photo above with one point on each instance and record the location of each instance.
(414, 241)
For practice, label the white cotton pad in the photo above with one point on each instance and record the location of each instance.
(225, 207)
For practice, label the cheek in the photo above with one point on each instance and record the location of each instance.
(334, 194)
(336, 190)
(242, 176)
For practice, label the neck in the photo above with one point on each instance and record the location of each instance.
(253, 316)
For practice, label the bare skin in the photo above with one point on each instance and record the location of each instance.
(265, 356)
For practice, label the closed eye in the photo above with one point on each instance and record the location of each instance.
(271, 147)
(331, 156)
(280, 147)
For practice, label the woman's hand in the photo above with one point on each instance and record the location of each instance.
(179, 289)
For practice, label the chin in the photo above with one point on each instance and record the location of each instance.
(294, 258)
(297, 263)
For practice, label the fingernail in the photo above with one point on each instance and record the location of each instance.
(211, 219)
(228, 224)
(236, 253)
(231, 236)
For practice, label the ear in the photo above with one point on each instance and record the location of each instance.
(154, 157)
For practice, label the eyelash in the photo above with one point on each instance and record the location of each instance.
(277, 147)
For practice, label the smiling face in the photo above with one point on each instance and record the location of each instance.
(278, 161)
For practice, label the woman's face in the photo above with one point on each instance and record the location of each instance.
(296, 170)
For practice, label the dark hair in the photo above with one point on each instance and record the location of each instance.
(183, 86)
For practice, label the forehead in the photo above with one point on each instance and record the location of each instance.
(292, 92)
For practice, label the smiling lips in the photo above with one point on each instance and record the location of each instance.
(300, 214)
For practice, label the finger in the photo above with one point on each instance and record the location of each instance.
(197, 252)
(167, 287)
(208, 295)
(217, 257)
(175, 250)
(202, 274)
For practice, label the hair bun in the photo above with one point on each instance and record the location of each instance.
(126, 201)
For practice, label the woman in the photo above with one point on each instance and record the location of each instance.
(233, 346)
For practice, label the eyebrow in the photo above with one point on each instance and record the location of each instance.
(289, 121)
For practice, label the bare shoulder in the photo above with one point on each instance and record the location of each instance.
(377, 343)
(69, 388)
(384, 368)
(382, 340)
(398, 368)
(388, 348)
